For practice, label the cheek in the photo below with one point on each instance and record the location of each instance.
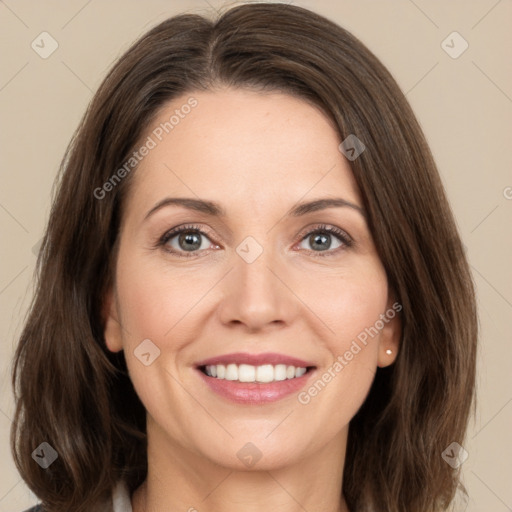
(349, 302)
(351, 305)
(163, 305)
(157, 305)
(359, 308)
(154, 300)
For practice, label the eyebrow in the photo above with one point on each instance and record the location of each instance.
(215, 210)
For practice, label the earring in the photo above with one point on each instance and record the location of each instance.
(389, 351)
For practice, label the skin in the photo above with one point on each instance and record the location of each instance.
(257, 154)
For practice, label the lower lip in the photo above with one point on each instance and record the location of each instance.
(256, 392)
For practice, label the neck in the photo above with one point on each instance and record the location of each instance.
(179, 479)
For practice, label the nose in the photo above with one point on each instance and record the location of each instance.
(258, 294)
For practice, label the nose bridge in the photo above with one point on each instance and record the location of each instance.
(254, 259)
(255, 295)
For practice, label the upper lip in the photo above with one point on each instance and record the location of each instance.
(255, 359)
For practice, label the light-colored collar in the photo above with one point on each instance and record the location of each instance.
(121, 498)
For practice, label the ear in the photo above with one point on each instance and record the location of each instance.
(112, 329)
(389, 342)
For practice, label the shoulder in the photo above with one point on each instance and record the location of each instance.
(107, 507)
(120, 500)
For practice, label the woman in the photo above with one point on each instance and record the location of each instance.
(251, 292)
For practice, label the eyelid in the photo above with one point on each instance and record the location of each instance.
(339, 233)
(346, 240)
(171, 233)
(329, 228)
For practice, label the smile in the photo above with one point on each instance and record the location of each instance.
(250, 373)
(254, 379)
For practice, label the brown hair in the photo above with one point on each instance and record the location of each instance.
(73, 393)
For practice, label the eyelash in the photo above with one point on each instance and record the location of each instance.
(340, 234)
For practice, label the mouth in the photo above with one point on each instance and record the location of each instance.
(249, 373)
(255, 379)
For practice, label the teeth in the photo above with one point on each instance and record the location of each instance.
(299, 372)
(249, 373)
(231, 372)
(245, 372)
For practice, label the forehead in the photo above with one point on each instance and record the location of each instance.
(242, 147)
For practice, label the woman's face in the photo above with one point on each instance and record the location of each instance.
(259, 281)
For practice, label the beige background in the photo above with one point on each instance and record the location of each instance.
(464, 106)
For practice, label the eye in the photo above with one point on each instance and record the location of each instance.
(320, 239)
(183, 240)
(186, 241)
